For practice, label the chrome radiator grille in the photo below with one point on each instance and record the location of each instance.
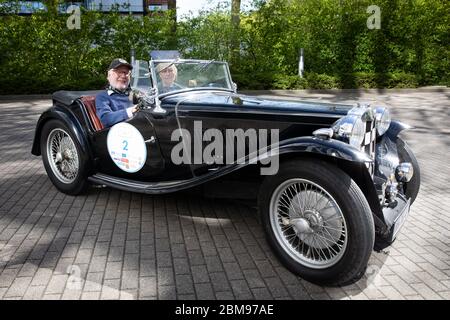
(368, 145)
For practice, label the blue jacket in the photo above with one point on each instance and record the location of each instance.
(111, 107)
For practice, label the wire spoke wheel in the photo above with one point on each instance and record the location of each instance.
(308, 223)
(62, 156)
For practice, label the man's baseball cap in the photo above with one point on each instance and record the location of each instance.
(119, 62)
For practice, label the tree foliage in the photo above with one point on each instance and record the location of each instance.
(414, 39)
(40, 54)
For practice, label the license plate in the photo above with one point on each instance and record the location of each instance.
(401, 220)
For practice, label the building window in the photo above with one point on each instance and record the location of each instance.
(157, 7)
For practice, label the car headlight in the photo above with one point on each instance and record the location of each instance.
(352, 128)
(382, 119)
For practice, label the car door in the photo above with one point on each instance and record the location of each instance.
(220, 131)
(129, 149)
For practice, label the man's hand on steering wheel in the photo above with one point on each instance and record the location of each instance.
(144, 100)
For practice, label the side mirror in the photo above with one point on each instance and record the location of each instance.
(234, 85)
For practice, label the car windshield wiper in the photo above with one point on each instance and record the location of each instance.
(203, 67)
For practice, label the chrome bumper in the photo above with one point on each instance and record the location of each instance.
(395, 217)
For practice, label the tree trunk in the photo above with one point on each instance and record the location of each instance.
(173, 41)
(235, 38)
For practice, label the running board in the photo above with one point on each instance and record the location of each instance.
(158, 187)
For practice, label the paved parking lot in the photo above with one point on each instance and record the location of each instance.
(109, 244)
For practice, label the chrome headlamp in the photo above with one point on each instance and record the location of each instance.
(352, 128)
(364, 111)
(382, 119)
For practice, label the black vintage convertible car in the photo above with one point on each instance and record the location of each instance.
(332, 182)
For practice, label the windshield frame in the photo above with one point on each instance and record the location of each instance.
(154, 81)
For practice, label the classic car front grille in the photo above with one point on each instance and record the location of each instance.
(368, 145)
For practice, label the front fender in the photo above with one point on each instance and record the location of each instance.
(69, 119)
(346, 157)
(395, 128)
(327, 147)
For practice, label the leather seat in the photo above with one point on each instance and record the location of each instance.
(89, 103)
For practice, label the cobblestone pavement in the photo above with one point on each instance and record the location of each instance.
(109, 244)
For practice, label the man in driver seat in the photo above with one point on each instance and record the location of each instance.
(114, 105)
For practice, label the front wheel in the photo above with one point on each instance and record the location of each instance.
(63, 158)
(318, 222)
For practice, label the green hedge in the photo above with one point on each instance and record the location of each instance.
(39, 54)
(312, 80)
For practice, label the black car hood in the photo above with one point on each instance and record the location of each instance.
(253, 104)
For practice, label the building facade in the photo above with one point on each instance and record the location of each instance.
(136, 7)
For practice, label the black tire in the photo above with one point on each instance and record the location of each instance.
(356, 213)
(72, 183)
(405, 154)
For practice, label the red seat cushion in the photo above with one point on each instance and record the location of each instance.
(89, 103)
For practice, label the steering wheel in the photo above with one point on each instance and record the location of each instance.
(144, 100)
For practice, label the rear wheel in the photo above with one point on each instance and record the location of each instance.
(63, 158)
(318, 222)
